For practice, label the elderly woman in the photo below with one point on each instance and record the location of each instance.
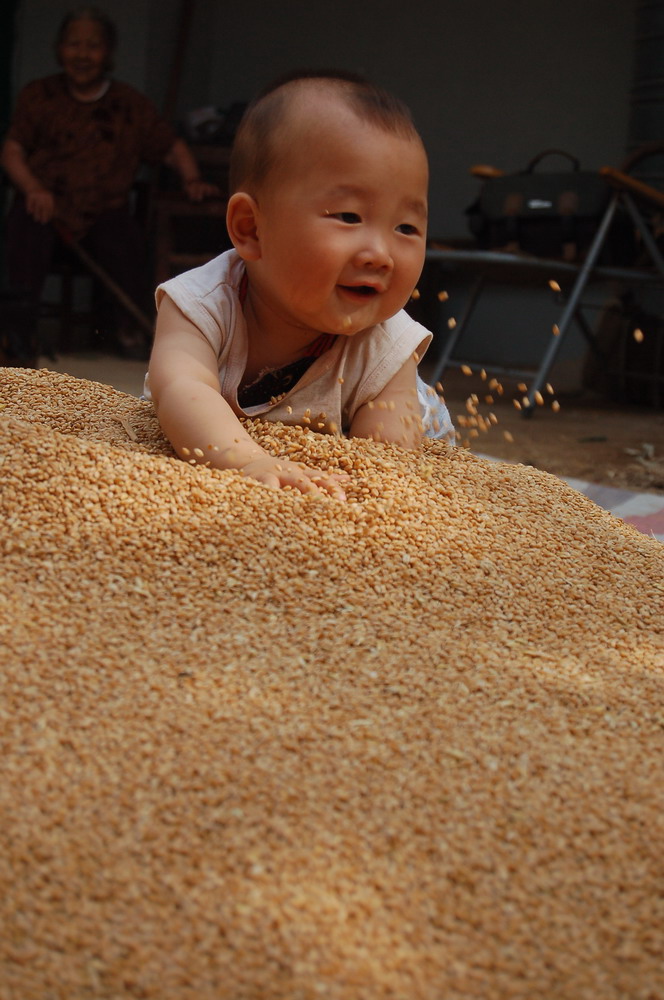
(74, 145)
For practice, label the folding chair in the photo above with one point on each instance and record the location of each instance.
(635, 197)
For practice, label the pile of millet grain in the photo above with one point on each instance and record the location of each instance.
(257, 746)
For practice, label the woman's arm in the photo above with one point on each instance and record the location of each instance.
(39, 201)
(394, 415)
(181, 159)
(198, 421)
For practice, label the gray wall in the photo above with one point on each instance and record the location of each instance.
(488, 82)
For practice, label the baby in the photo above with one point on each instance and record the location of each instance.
(303, 321)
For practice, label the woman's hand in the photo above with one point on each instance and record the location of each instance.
(40, 204)
(181, 159)
(197, 189)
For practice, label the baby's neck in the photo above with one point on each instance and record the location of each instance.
(274, 344)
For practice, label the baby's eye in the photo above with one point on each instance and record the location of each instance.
(407, 229)
(350, 218)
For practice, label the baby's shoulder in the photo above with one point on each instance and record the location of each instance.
(221, 276)
(399, 329)
(209, 297)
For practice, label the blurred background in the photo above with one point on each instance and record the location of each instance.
(487, 82)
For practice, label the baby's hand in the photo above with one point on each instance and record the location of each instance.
(277, 473)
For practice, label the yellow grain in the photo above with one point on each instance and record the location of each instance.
(260, 744)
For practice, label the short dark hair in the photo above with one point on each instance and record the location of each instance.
(254, 151)
(88, 13)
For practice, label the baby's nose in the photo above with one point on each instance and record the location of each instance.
(375, 252)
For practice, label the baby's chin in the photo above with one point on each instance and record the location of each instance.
(350, 324)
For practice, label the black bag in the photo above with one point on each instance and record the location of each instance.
(544, 214)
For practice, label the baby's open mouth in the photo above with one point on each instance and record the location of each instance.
(364, 290)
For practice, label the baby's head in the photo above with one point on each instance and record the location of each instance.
(261, 142)
(328, 204)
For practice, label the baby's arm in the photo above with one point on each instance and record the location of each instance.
(197, 420)
(394, 415)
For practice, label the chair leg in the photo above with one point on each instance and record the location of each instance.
(571, 307)
(646, 235)
(454, 335)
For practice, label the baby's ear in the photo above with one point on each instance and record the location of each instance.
(242, 225)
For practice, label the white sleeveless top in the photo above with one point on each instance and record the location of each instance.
(352, 372)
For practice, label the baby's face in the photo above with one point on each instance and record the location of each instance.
(342, 223)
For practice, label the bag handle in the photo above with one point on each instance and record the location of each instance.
(549, 152)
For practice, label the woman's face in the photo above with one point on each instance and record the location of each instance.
(84, 55)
